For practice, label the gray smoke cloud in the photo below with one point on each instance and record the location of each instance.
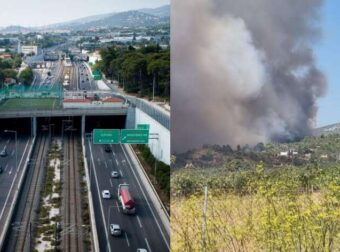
(243, 72)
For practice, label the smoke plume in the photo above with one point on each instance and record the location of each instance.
(243, 72)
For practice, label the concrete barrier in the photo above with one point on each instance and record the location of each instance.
(163, 214)
(16, 196)
(89, 196)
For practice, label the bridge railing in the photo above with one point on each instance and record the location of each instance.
(150, 110)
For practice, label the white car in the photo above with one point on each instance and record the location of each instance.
(115, 229)
(106, 194)
(114, 174)
(141, 250)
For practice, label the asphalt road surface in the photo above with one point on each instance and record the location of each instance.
(10, 176)
(142, 230)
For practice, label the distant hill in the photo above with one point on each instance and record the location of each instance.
(329, 129)
(123, 19)
(163, 11)
(15, 29)
(135, 18)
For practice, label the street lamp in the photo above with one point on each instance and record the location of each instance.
(16, 145)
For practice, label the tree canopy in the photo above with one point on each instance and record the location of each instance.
(137, 70)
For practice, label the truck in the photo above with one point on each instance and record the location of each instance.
(126, 199)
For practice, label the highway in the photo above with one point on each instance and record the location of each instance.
(11, 175)
(142, 230)
(86, 81)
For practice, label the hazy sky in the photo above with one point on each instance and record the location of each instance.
(328, 55)
(43, 12)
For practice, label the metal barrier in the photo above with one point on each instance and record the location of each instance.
(155, 113)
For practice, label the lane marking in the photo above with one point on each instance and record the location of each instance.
(140, 224)
(127, 239)
(100, 199)
(121, 173)
(118, 206)
(105, 165)
(117, 162)
(147, 244)
(16, 174)
(111, 183)
(152, 212)
(13, 153)
(6, 167)
(10, 171)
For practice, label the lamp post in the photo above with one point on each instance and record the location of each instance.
(16, 145)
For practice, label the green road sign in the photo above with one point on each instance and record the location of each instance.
(135, 136)
(106, 136)
(143, 126)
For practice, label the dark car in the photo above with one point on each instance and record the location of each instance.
(107, 148)
(1, 170)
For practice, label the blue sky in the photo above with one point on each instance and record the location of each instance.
(328, 56)
(43, 12)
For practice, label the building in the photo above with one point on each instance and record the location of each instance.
(27, 49)
(94, 57)
(5, 56)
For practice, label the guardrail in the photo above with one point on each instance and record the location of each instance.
(15, 198)
(134, 156)
(65, 112)
(89, 195)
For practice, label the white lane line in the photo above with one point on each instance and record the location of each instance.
(111, 183)
(121, 173)
(118, 206)
(117, 162)
(10, 171)
(152, 212)
(12, 153)
(147, 244)
(105, 165)
(140, 223)
(98, 159)
(127, 239)
(100, 199)
(6, 167)
(101, 150)
(16, 174)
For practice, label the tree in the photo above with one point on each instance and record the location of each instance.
(26, 76)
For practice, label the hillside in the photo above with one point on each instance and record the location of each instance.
(135, 18)
(273, 197)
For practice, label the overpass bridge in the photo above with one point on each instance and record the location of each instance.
(28, 109)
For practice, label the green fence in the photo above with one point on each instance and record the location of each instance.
(20, 91)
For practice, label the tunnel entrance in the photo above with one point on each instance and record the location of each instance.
(104, 122)
(56, 124)
(21, 125)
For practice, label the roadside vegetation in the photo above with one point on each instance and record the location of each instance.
(138, 70)
(274, 197)
(158, 172)
(48, 230)
(85, 213)
(8, 67)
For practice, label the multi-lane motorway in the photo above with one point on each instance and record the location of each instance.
(145, 229)
(142, 230)
(11, 174)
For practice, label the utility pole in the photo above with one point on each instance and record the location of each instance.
(204, 220)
